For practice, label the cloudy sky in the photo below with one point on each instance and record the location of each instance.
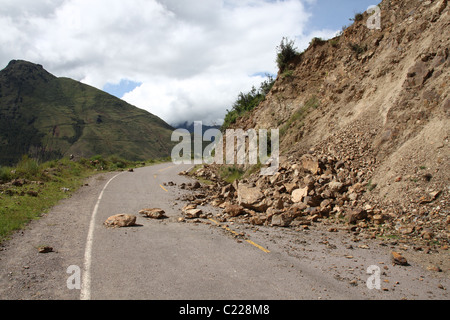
(183, 60)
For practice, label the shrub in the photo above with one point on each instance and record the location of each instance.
(358, 17)
(356, 48)
(5, 174)
(316, 41)
(334, 42)
(285, 53)
(246, 102)
(231, 173)
(27, 167)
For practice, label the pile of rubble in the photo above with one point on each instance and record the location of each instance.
(307, 190)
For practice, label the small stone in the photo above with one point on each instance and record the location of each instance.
(398, 259)
(434, 268)
(155, 213)
(45, 249)
(192, 213)
(427, 235)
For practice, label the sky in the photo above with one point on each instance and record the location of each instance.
(182, 60)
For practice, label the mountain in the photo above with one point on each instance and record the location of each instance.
(364, 122)
(50, 117)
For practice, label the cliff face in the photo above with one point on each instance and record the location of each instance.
(377, 102)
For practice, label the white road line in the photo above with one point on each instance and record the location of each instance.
(86, 281)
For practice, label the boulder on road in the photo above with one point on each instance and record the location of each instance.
(120, 221)
(155, 213)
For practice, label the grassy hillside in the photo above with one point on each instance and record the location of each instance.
(49, 117)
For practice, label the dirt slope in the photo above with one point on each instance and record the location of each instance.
(372, 108)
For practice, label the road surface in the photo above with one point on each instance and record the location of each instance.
(172, 260)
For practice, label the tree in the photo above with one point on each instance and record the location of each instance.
(286, 51)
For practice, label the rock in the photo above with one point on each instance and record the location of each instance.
(398, 259)
(378, 219)
(281, 220)
(335, 186)
(45, 249)
(153, 213)
(300, 221)
(355, 215)
(251, 198)
(406, 230)
(189, 207)
(299, 194)
(313, 200)
(290, 187)
(427, 234)
(310, 164)
(429, 198)
(434, 268)
(233, 210)
(278, 204)
(258, 220)
(120, 221)
(314, 218)
(192, 213)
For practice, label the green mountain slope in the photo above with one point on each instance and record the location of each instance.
(49, 117)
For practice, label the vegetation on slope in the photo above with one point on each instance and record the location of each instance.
(246, 102)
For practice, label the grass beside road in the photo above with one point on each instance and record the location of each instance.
(30, 189)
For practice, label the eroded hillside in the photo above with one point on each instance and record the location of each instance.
(371, 110)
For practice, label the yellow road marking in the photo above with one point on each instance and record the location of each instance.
(248, 241)
(163, 188)
(164, 169)
(258, 246)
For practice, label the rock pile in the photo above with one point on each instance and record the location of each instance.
(305, 190)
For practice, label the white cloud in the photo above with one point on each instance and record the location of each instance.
(192, 57)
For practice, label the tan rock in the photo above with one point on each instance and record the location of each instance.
(355, 215)
(310, 164)
(121, 221)
(192, 213)
(398, 259)
(233, 210)
(251, 198)
(45, 249)
(299, 194)
(281, 220)
(155, 213)
(258, 220)
(335, 186)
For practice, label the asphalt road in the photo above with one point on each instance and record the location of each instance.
(171, 260)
